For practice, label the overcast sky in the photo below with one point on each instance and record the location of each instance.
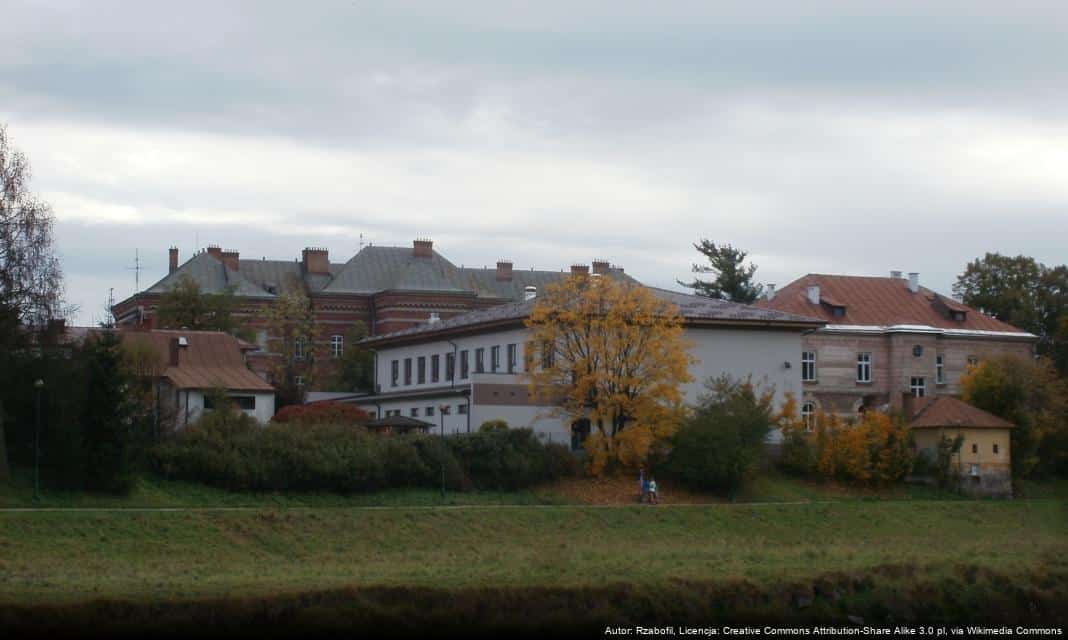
(846, 138)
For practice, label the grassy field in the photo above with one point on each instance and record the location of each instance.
(71, 556)
(507, 561)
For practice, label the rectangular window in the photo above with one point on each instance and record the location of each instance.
(420, 370)
(548, 355)
(463, 365)
(972, 361)
(808, 366)
(337, 345)
(511, 358)
(429, 411)
(495, 358)
(995, 448)
(808, 413)
(298, 348)
(461, 409)
(450, 366)
(415, 412)
(394, 372)
(245, 403)
(407, 371)
(975, 448)
(863, 367)
(480, 360)
(918, 387)
(299, 380)
(435, 367)
(940, 370)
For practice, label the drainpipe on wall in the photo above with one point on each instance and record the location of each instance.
(452, 382)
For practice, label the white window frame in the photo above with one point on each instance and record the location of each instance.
(918, 389)
(298, 348)
(808, 365)
(808, 414)
(495, 358)
(940, 369)
(337, 345)
(864, 361)
(512, 357)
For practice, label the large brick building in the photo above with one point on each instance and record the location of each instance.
(886, 337)
(386, 288)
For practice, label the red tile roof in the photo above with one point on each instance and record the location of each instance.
(211, 359)
(947, 411)
(878, 301)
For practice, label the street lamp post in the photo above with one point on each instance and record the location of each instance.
(38, 386)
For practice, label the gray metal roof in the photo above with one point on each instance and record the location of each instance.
(372, 270)
(213, 277)
(376, 269)
(693, 309)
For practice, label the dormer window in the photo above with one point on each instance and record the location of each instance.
(958, 316)
(838, 312)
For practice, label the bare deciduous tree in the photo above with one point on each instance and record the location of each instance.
(31, 281)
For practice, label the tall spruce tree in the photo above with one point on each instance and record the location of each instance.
(107, 416)
(733, 279)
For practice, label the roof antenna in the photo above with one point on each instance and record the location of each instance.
(111, 303)
(361, 243)
(137, 271)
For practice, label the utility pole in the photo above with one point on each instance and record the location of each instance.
(38, 386)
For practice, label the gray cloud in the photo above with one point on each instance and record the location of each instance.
(841, 139)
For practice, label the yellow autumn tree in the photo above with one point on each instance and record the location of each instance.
(614, 353)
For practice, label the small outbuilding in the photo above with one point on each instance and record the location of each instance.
(984, 461)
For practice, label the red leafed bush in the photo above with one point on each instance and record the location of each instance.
(321, 413)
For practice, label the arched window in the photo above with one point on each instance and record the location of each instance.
(337, 345)
(808, 413)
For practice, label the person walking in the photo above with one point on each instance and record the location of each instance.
(653, 497)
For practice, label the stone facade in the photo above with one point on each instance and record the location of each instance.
(894, 364)
(913, 340)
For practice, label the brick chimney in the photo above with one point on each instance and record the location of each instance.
(173, 260)
(215, 250)
(423, 248)
(504, 270)
(580, 270)
(231, 260)
(315, 260)
(601, 267)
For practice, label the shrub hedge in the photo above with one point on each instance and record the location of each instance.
(233, 451)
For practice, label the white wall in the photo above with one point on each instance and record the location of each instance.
(441, 348)
(744, 352)
(191, 406)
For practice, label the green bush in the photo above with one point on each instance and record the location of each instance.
(719, 444)
(493, 425)
(231, 450)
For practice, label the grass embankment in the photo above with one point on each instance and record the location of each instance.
(70, 556)
(525, 565)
